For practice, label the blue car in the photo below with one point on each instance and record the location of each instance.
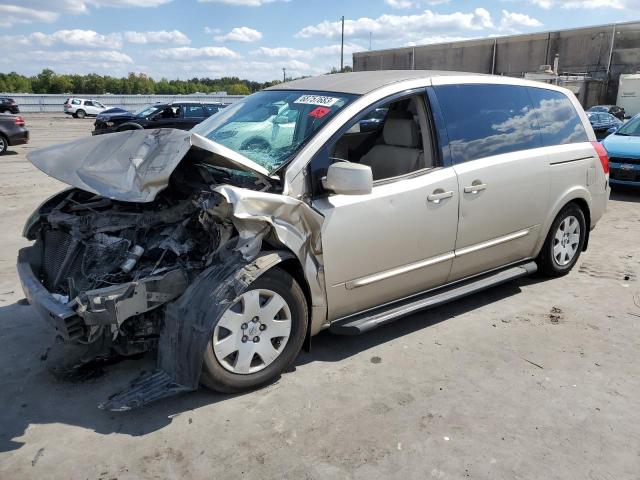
(623, 147)
(602, 123)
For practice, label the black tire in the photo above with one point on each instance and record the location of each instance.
(4, 143)
(216, 377)
(548, 265)
(129, 126)
(80, 114)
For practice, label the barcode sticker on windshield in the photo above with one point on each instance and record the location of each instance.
(317, 100)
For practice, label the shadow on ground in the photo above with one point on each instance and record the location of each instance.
(625, 194)
(32, 394)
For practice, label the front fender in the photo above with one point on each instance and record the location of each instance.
(188, 326)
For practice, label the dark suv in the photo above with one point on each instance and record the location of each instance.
(8, 105)
(12, 131)
(180, 115)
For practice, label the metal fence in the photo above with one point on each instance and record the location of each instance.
(53, 103)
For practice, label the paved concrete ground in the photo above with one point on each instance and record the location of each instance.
(532, 380)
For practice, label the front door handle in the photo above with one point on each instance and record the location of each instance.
(438, 195)
(476, 186)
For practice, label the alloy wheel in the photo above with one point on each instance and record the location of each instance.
(252, 332)
(566, 241)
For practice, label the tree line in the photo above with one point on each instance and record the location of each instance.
(48, 81)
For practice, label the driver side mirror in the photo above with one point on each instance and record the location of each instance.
(348, 179)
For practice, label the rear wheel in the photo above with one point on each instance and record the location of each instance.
(80, 114)
(258, 336)
(4, 143)
(564, 242)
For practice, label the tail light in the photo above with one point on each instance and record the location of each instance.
(604, 156)
(20, 121)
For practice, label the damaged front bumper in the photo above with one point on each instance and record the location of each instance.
(109, 306)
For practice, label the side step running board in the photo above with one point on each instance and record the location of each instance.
(363, 322)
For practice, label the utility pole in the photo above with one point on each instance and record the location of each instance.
(284, 74)
(370, 35)
(342, 48)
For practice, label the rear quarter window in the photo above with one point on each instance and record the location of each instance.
(559, 121)
(485, 120)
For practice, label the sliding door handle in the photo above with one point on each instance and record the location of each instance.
(438, 195)
(476, 186)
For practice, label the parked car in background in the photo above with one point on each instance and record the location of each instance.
(229, 258)
(80, 107)
(602, 123)
(180, 115)
(8, 105)
(623, 147)
(373, 120)
(13, 131)
(614, 110)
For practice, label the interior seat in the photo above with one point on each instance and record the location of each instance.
(399, 153)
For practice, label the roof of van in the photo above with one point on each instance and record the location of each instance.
(360, 83)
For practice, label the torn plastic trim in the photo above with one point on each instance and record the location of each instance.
(115, 304)
(295, 225)
(188, 327)
(135, 165)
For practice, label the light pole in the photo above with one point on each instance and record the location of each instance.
(342, 48)
(284, 74)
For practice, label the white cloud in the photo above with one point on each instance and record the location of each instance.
(587, 4)
(402, 26)
(80, 56)
(188, 53)
(240, 34)
(414, 3)
(48, 11)
(161, 36)
(321, 51)
(243, 3)
(72, 38)
(511, 21)
(401, 3)
(12, 14)
(209, 30)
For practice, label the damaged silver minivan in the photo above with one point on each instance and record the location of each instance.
(226, 248)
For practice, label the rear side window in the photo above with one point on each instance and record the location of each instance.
(559, 122)
(486, 120)
(211, 109)
(76, 102)
(193, 111)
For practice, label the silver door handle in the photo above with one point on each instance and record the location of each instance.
(437, 196)
(475, 188)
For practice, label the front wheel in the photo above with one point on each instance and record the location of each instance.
(564, 242)
(4, 143)
(258, 336)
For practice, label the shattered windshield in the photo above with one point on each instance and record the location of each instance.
(270, 127)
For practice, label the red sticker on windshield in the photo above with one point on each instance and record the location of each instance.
(319, 112)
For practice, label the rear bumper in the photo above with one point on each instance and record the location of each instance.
(60, 316)
(19, 138)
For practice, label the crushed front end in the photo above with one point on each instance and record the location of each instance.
(99, 268)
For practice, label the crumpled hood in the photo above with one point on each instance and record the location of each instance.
(132, 166)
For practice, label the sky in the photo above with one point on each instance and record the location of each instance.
(255, 39)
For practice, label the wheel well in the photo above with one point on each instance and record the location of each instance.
(293, 268)
(584, 206)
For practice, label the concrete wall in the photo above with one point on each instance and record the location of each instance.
(583, 50)
(53, 103)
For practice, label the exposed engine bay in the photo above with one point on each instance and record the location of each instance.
(96, 250)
